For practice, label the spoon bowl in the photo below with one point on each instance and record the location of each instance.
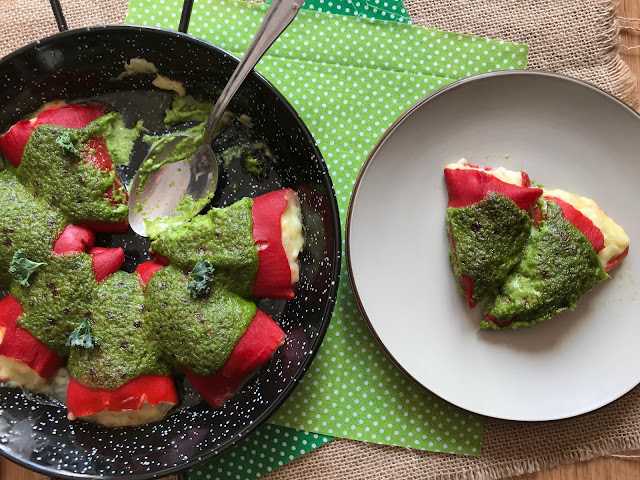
(166, 187)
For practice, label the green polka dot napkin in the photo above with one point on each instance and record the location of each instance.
(266, 449)
(380, 9)
(349, 78)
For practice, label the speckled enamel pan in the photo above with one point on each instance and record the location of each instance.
(34, 431)
(564, 134)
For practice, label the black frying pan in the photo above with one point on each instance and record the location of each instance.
(78, 64)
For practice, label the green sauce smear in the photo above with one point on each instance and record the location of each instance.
(558, 267)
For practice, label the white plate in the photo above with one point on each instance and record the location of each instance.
(565, 134)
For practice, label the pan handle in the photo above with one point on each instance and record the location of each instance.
(187, 7)
(59, 15)
(61, 21)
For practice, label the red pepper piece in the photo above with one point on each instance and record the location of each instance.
(538, 216)
(582, 223)
(152, 389)
(106, 261)
(467, 286)
(73, 239)
(467, 187)
(13, 142)
(96, 153)
(503, 324)
(526, 182)
(273, 279)
(146, 270)
(18, 344)
(161, 258)
(616, 260)
(261, 339)
(71, 115)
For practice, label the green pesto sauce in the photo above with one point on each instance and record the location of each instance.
(183, 145)
(558, 267)
(186, 209)
(66, 182)
(125, 334)
(222, 235)
(25, 224)
(187, 109)
(59, 297)
(490, 236)
(119, 138)
(207, 329)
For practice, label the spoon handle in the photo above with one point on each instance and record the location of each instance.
(280, 14)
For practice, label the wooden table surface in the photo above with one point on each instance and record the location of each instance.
(600, 469)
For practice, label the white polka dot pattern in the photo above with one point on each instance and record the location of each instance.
(266, 449)
(350, 78)
(380, 9)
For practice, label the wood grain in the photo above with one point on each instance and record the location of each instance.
(630, 9)
(599, 469)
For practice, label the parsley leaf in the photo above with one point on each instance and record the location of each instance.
(22, 268)
(82, 336)
(201, 279)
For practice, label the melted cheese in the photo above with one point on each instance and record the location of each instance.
(615, 239)
(57, 386)
(166, 83)
(501, 173)
(140, 66)
(129, 418)
(292, 238)
(18, 374)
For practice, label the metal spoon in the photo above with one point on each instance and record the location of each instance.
(198, 176)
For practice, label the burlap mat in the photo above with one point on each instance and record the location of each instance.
(574, 37)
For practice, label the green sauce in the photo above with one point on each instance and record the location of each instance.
(559, 266)
(490, 236)
(25, 224)
(224, 237)
(187, 109)
(186, 209)
(197, 334)
(131, 333)
(119, 138)
(125, 334)
(184, 144)
(60, 295)
(67, 183)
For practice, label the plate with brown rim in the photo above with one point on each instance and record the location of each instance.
(564, 134)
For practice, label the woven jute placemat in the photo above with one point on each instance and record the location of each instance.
(573, 37)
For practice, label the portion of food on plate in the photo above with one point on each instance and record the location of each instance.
(123, 336)
(572, 244)
(532, 252)
(488, 224)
